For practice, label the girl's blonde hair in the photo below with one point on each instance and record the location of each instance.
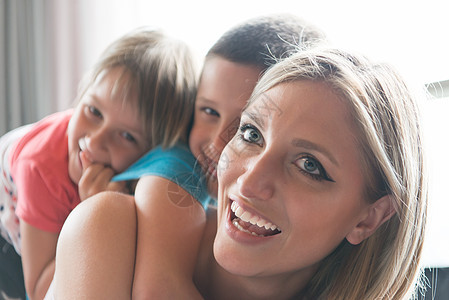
(163, 74)
(385, 111)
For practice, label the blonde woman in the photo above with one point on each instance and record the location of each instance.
(335, 170)
(322, 192)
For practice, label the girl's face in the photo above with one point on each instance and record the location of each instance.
(108, 129)
(290, 183)
(224, 88)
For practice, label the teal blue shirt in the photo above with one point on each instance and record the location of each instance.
(176, 164)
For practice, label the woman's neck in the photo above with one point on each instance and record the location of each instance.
(224, 285)
(216, 283)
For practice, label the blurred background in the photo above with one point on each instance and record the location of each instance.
(47, 45)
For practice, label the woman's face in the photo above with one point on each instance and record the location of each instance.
(290, 183)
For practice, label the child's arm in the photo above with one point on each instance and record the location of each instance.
(170, 224)
(38, 259)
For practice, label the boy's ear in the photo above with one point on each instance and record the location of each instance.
(378, 213)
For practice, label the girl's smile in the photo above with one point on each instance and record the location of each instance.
(106, 128)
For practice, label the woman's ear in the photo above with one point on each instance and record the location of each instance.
(378, 213)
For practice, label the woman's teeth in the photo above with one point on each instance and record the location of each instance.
(236, 224)
(263, 225)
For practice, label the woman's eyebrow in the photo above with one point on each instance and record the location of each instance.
(260, 122)
(313, 146)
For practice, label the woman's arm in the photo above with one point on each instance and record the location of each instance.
(170, 224)
(96, 249)
(38, 259)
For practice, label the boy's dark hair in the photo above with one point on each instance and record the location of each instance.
(262, 41)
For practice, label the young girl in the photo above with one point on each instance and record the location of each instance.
(140, 94)
(169, 222)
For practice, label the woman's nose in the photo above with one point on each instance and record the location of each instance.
(258, 179)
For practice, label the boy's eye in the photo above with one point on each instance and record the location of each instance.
(210, 111)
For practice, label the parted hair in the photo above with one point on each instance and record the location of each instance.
(162, 71)
(261, 41)
(386, 113)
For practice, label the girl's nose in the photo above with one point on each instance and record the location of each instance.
(96, 144)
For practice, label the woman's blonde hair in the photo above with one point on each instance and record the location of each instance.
(162, 72)
(385, 111)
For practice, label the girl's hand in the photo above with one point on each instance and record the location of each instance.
(96, 178)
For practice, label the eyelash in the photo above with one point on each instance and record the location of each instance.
(319, 177)
(94, 111)
(210, 111)
(242, 130)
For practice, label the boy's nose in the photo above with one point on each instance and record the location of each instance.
(224, 134)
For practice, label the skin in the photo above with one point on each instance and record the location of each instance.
(299, 169)
(303, 207)
(224, 88)
(112, 137)
(223, 91)
(108, 131)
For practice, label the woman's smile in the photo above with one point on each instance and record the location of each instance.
(251, 223)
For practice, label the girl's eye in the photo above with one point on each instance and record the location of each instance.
(312, 167)
(210, 111)
(250, 134)
(129, 137)
(94, 111)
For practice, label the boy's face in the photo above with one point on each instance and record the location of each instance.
(223, 90)
(107, 128)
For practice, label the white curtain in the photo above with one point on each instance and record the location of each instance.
(38, 59)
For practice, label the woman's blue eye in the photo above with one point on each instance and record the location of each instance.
(250, 134)
(310, 166)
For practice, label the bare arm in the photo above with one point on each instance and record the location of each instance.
(38, 259)
(96, 249)
(170, 224)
